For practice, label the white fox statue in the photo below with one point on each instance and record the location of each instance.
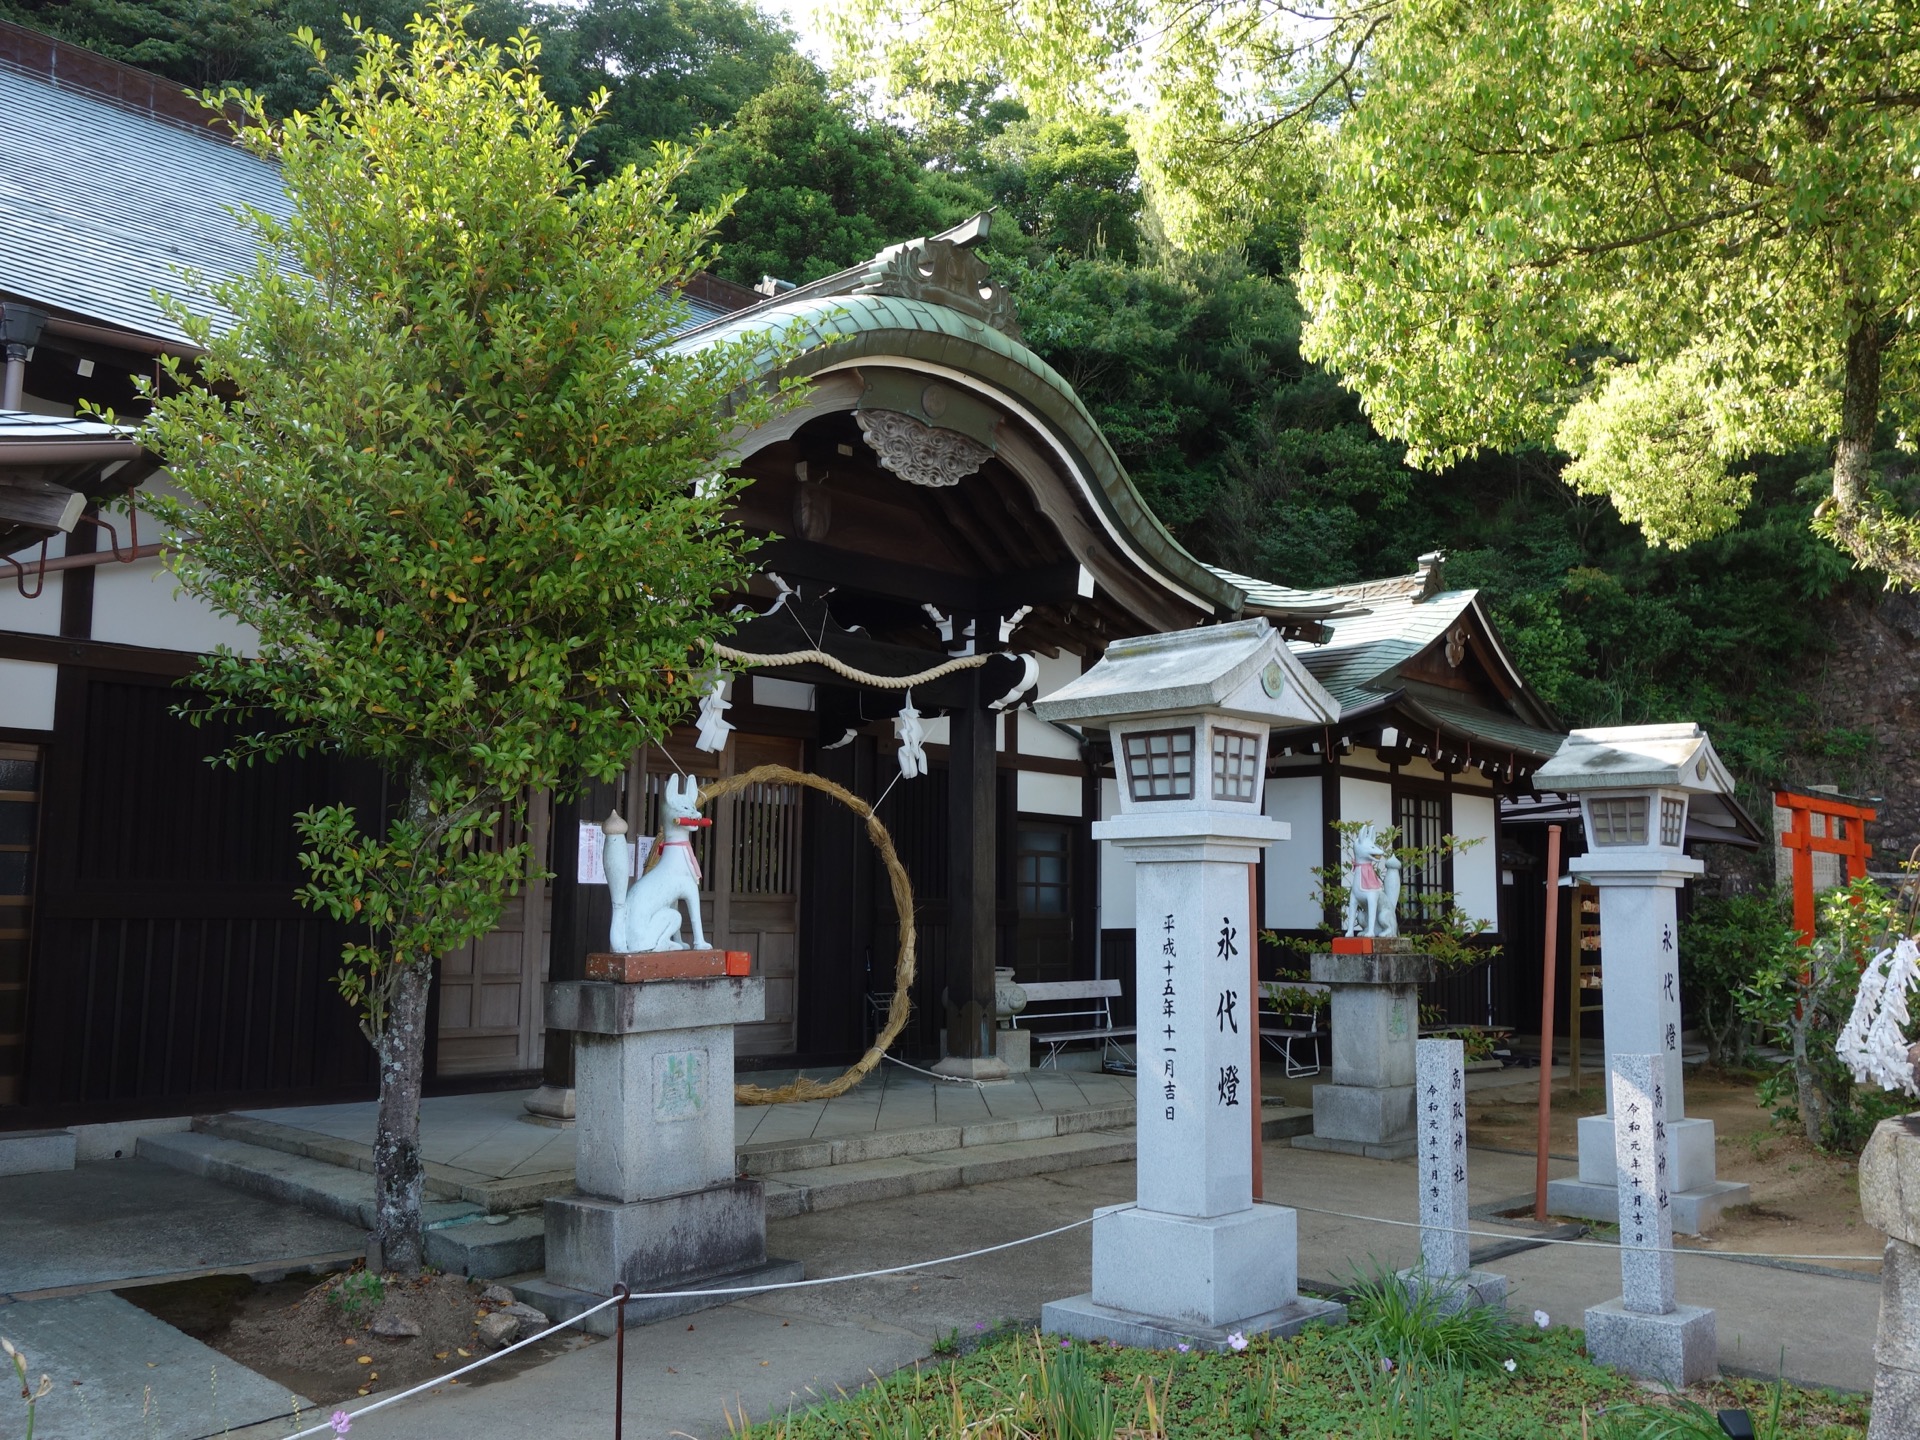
(646, 911)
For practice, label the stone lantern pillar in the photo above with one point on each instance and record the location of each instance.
(1194, 1258)
(1634, 783)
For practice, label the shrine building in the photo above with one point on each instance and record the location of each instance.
(941, 493)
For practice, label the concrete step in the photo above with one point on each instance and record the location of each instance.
(316, 1185)
(496, 1195)
(461, 1237)
(29, 1152)
(782, 1156)
(828, 1187)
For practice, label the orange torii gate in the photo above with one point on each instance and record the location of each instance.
(1842, 830)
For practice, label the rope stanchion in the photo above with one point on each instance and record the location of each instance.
(804, 1088)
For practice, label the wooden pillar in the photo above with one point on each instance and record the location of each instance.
(971, 932)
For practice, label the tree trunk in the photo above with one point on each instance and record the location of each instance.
(1813, 1110)
(1859, 413)
(398, 1175)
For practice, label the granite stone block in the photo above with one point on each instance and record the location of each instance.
(1677, 1349)
(656, 1244)
(1440, 1111)
(1364, 1115)
(1195, 1271)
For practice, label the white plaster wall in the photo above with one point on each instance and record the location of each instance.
(142, 604)
(781, 694)
(1037, 737)
(1365, 800)
(1361, 758)
(1476, 872)
(1044, 794)
(26, 694)
(40, 615)
(1116, 871)
(1291, 863)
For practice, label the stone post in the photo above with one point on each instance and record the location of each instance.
(1635, 783)
(1367, 1106)
(658, 1206)
(1440, 1107)
(1644, 1333)
(1195, 1259)
(1890, 1201)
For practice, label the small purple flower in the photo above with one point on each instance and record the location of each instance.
(1236, 1341)
(1184, 1347)
(1386, 1365)
(979, 1325)
(341, 1422)
(1066, 1344)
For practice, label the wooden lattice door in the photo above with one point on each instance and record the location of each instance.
(490, 1010)
(750, 870)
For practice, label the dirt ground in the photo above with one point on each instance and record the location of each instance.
(288, 1331)
(1804, 1202)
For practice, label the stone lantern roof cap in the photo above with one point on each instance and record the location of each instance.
(1625, 757)
(1244, 669)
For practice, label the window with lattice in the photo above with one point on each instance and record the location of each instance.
(1159, 764)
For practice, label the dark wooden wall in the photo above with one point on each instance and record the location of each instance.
(172, 966)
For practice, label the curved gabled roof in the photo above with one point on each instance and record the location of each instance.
(835, 332)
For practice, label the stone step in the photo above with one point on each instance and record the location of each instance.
(497, 1195)
(461, 1236)
(781, 1156)
(828, 1187)
(29, 1152)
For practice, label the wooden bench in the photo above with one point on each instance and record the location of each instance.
(1092, 1000)
(1282, 1031)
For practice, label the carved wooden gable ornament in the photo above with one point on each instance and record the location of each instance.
(940, 271)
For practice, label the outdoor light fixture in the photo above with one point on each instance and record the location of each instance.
(1737, 1423)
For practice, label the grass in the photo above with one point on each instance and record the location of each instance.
(1326, 1384)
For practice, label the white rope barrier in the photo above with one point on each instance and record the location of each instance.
(328, 1427)
(1585, 1244)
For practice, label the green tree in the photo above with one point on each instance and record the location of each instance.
(1675, 237)
(1671, 238)
(819, 190)
(671, 68)
(443, 457)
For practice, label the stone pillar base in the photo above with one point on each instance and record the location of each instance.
(972, 1067)
(1161, 1280)
(563, 1302)
(1014, 1049)
(1084, 1318)
(1677, 1349)
(1453, 1293)
(655, 1244)
(1695, 1212)
(550, 1105)
(1371, 1120)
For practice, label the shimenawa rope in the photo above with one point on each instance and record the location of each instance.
(903, 969)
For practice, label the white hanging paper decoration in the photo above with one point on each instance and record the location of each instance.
(713, 725)
(912, 736)
(1874, 1043)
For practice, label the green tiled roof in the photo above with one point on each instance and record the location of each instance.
(831, 330)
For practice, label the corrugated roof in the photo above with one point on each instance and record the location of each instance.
(98, 203)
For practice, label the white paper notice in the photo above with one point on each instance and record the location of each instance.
(591, 871)
(593, 839)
